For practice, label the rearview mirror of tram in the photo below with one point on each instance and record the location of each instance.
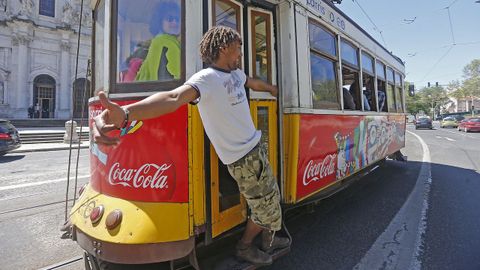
(149, 44)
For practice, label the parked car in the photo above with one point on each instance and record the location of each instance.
(470, 124)
(423, 122)
(449, 122)
(9, 138)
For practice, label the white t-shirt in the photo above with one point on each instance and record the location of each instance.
(225, 113)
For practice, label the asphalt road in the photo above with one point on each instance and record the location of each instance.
(32, 208)
(422, 214)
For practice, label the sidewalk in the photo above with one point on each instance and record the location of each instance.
(36, 147)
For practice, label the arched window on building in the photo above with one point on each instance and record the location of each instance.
(81, 90)
(44, 96)
(47, 8)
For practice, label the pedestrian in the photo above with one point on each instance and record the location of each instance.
(30, 111)
(219, 93)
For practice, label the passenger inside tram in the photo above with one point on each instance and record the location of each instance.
(159, 58)
(368, 93)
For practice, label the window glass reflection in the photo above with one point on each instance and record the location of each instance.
(99, 46)
(149, 44)
(261, 48)
(349, 53)
(226, 14)
(324, 88)
(322, 40)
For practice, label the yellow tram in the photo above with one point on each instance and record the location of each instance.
(340, 111)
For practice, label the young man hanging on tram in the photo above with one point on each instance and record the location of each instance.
(219, 92)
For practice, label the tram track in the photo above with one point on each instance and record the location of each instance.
(63, 264)
(18, 210)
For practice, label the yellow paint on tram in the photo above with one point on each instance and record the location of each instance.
(142, 222)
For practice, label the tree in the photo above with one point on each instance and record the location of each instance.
(471, 73)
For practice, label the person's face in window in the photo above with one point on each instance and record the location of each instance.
(171, 24)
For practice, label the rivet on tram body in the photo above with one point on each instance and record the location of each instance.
(94, 243)
(97, 214)
(114, 219)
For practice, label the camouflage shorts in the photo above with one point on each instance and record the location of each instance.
(259, 187)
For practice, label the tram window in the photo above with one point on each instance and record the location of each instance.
(227, 14)
(391, 98)
(349, 53)
(99, 55)
(398, 92)
(380, 69)
(382, 97)
(149, 44)
(369, 98)
(324, 85)
(351, 90)
(261, 46)
(322, 40)
(367, 63)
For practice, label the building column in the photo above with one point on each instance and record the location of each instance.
(22, 42)
(65, 91)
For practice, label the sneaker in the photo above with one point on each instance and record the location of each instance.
(252, 254)
(278, 242)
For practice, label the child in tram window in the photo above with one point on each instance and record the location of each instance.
(162, 62)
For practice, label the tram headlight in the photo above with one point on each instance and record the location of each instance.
(114, 219)
(97, 214)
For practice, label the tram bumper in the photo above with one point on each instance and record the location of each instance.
(146, 232)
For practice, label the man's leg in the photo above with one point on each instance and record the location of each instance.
(251, 232)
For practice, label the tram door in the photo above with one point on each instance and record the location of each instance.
(228, 208)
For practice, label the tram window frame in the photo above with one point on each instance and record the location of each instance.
(348, 69)
(143, 86)
(238, 13)
(381, 84)
(398, 92)
(368, 81)
(391, 97)
(333, 60)
(268, 41)
(100, 85)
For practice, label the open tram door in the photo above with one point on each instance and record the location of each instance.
(255, 24)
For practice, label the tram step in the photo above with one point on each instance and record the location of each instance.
(232, 263)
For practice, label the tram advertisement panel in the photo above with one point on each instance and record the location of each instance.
(150, 164)
(332, 147)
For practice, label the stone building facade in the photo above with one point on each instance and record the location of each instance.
(38, 46)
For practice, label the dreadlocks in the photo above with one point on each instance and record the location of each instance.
(216, 38)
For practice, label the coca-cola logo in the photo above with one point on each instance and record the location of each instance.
(317, 171)
(149, 175)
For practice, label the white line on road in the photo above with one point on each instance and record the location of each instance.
(400, 245)
(40, 183)
(459, 133)
(450, 139)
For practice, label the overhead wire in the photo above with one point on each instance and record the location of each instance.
(371, 21)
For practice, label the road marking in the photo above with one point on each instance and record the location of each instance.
(40, 183)
(461, 134)
(400, 245)
(452, 140)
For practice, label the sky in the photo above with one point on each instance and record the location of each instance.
(423, 33)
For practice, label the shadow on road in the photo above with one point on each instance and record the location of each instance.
(10, 158)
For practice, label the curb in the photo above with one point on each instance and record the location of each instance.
(46, 149)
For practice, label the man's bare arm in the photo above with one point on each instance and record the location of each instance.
(162, 103)
(261, 86)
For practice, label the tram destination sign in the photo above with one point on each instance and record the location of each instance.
(325, 12)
